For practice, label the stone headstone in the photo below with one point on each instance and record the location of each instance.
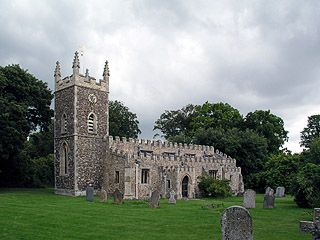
(150, 191)
(249, 199)
(117, 196)
(90, 194)
(103, 196)
(268, 201)
(280, 192)
(172, 199)
(154, 200)
(186, 200)
(312, 227)
(236, 224)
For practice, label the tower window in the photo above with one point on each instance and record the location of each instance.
(168, 184)
(64, 159)
(92, 123)
(64, 123)
(144, 176)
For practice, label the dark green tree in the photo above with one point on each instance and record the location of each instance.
(218, 115)
(25, 107)
(280, 170)
(311, 132)
(122, 122)
(176, 124)
(268, 125)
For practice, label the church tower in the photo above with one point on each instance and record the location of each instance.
(80, 129)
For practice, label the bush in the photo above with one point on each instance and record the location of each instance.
(214, 187)
(306, 187)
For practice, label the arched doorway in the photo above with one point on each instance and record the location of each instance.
(185, 182)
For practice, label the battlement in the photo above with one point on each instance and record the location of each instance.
(167, 151)
(81, 80)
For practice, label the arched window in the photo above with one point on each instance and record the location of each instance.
(64, 123)
(64, 159)
(92, 123)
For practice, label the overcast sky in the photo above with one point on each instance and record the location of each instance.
(163, 55)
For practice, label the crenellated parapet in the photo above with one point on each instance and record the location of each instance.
(158, 151)
(81, 80)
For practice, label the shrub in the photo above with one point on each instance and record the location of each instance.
(214, 187)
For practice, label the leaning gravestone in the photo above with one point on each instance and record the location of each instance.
(117, 196)
(172, 199)
(249, 199)
(154, 200)
(103, 196)
(280, 192)
(236, 224)
(268, 201)
(90, 194)
(312, 227)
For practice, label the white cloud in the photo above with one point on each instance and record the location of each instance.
(166, 54)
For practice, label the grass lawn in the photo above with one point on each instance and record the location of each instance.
(39, 214)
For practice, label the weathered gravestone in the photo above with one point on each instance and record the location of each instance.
(103, 196)
(186, 200)
(172, 199)
(117, 196)
(249, 199)
(154, 200)
(312, 227)
(236, 224)
(268, 201)
(90, 194)
(280, 192)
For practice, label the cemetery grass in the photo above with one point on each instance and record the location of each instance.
(40, 214)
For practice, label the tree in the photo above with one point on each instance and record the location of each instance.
(25, 107)
(122, 122)
(268, 125)
(311, 132)
(176, 124)
(218, 115)
(280, 170)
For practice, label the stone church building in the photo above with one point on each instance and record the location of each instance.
(86, 155)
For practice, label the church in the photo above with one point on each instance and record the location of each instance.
(85, 155)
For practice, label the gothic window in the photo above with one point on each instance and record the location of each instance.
(117, 177)
(64, 159)
(64, 123)
(144, 176)
(92, 123)
(213, 173)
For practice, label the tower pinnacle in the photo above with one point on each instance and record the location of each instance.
(76, 64)
(57, 73)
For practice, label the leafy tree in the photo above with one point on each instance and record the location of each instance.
(25, 107)
(311, 132)
(280, 170)
(306, 187)
(218, 115)
(214, 187)
(268, 125)
(176, 124)
(122, 122)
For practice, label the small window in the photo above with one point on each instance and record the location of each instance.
(117, 177)
(231, 178)
(168, 184)
(144, 176)
(213, 173)
(92, 123)
(64, 159)
(64, 123)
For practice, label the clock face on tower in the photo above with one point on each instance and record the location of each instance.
(92, 98)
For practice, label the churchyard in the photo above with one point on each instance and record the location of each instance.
(40, 214)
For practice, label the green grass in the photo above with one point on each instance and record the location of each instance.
(39, 214)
